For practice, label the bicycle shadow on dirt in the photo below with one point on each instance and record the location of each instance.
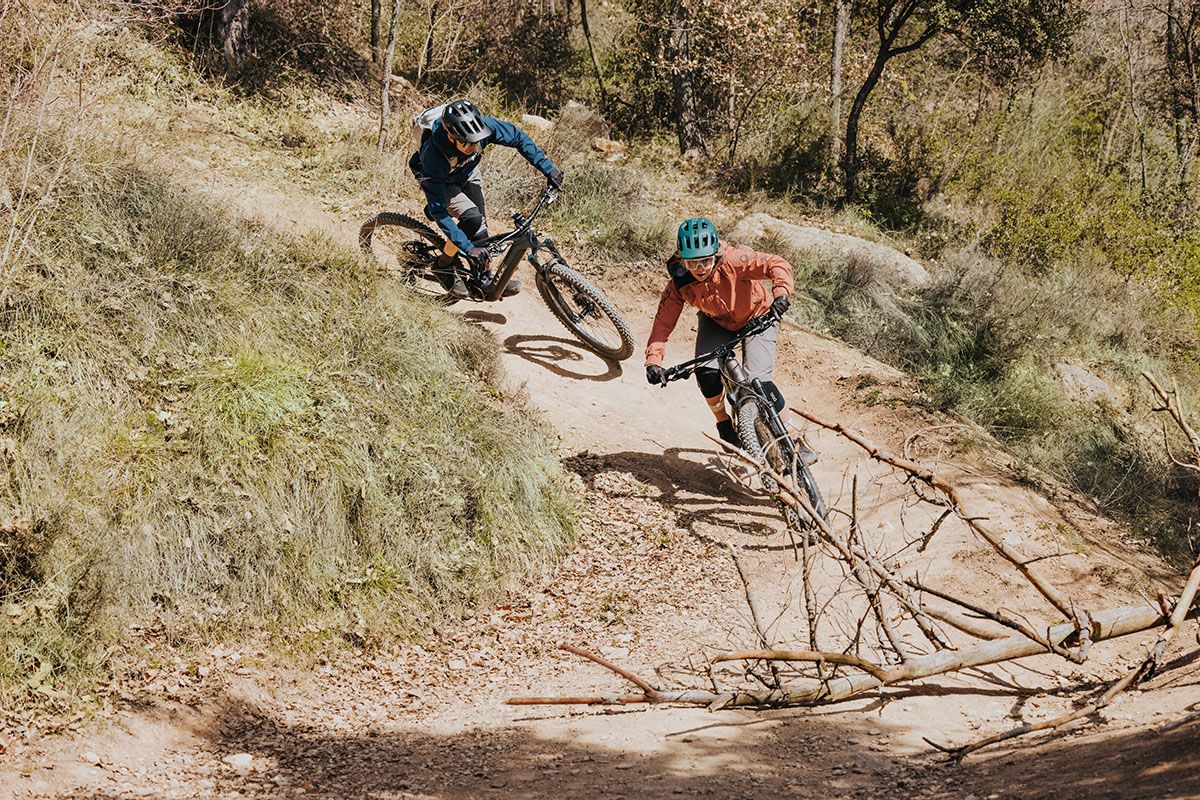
(480, 317)
(700, 496)
(551, 352)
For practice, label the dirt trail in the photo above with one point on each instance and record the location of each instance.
(652, 587)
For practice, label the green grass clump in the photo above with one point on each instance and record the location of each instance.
(207, 429)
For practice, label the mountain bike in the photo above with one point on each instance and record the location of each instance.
(572, 298)
(763, 433)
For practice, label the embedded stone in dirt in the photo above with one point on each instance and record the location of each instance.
(241, 763)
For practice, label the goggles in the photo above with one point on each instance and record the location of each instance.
(463, 147)
(700, 265)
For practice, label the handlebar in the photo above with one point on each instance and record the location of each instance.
(751, 328)
(496, 243)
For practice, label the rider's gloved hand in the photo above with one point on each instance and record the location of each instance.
(480, 258)
(555, 179)
(656, 375)
(779, 306)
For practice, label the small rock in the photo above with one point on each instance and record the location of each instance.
(537, 123)
(608, 149)
(457, 663)
(874, 732)
(241, 763)
(90, 757)
(577, 116)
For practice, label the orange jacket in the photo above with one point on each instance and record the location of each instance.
(730, 296)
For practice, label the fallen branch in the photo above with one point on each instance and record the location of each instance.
(812, 656)
(759, 628)
(787, 494)
(1143, 670)
(927, 476)
(1109, 624)
(1170, 403)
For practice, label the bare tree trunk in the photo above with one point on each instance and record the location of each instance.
(233, 27)
(841, 23)
(1182, 96)
(427, 48)
(893, 17)
(852, 166)
(687, 114)
(376, 22)
(1124, 25)
(385, 106)
(587, 34)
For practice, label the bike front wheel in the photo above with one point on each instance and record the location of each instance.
(585, 311)
(760, 443)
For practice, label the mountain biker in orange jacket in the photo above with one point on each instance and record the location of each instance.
(725, 285)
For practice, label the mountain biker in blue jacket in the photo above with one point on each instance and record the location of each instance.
(447, 168)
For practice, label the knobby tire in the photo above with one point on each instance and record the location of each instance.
(760, 444)
(392, 219)
(559, 286)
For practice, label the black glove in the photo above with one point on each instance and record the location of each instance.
(555, 179)
(480, 258)
(656, 375)
(779, 306)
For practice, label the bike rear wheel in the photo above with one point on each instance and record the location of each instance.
(585, 311)
(758, 441)
(415, 258)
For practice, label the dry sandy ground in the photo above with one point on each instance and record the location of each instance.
(652, 587)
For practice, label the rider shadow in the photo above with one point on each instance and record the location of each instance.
(699, 496)
(549, 352)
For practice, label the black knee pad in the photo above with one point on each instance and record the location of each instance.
(709, 380)
(473, 224)
(774, 395)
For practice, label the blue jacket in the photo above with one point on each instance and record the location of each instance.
(443, 169)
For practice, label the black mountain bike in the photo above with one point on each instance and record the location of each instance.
(575, 300)
(759, 426)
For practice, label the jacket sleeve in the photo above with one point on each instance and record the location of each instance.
(509, 135)
(670, 306)
(768, 266)
(435, 197)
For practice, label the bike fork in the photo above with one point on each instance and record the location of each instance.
(779, 432)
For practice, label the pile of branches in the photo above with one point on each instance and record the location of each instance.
(905, 629)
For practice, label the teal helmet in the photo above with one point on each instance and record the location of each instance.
(697, 238)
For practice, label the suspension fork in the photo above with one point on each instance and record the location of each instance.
(766, 407)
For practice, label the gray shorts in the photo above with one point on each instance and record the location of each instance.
(758, 352)
(465, 204)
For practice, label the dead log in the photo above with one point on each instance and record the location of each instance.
(1143, 670)
(1109, 624)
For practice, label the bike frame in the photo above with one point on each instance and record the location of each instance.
(522, 243)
